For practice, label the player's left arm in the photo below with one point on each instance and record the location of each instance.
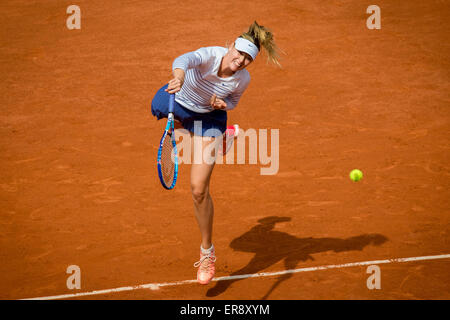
(233, 99)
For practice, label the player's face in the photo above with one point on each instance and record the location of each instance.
(238, 60)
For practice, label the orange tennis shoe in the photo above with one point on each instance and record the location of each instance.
(228, 137)
(206, 267)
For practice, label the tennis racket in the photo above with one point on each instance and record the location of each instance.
(167, 153)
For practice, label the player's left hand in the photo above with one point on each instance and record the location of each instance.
(217, 103)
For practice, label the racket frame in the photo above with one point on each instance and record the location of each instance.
(170, 129)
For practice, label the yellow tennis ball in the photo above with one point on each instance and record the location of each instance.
(356, 175)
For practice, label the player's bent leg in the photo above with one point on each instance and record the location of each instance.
(177, 124)
(228, 138)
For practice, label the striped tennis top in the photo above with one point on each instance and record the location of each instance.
(201, 80)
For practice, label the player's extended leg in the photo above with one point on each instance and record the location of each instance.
(204, 211)
(201, 170)
(203, 204)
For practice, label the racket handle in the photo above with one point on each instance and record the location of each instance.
(171, 103)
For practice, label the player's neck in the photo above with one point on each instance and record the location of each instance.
(224, 72)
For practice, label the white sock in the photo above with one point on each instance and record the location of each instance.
(206, 251)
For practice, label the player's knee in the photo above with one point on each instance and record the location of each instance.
(199, 193)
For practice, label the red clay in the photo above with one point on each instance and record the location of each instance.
(79, 183)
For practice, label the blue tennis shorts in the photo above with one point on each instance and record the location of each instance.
(211, 124)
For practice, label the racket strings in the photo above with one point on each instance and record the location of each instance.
(167, 163)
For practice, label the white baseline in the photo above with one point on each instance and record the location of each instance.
(156, 286)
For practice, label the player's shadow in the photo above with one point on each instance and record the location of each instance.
(270, 247)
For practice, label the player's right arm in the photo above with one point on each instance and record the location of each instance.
(180, 65)
(201, 58)
(176, 83)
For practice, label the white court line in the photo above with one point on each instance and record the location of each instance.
(156, 286)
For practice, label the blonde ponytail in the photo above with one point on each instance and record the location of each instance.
(263, 37)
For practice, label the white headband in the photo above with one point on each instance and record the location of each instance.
(246, 46)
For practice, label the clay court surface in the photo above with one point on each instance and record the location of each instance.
(79, 185)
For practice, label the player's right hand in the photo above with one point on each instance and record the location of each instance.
(176, 83)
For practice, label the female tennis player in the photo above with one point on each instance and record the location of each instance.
(207, 83)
